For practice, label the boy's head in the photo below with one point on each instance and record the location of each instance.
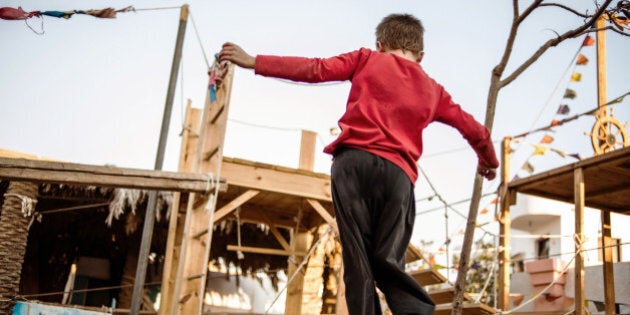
(401, 31)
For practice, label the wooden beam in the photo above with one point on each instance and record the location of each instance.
(276, 233)
(176, 224)
(307, 150)
(232, 205)
(300, 243)
(324, 214)
(609, 276)
(578, 190)
(260, 250)
(301, 184)
(104, 176)
(503, 295)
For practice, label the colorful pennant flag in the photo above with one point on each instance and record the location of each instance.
(528, 167)
(576, 156)
(581, 60)
(570, 94)
(576, 77)
(559, 152)
(484, 211)
(563, 109)
(555, 122)
(539, 149)
(547, 139)
(588, 41)
(7, 13)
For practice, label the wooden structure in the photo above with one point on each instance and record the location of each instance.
(442, 296)
(601, 182)
(294, 200)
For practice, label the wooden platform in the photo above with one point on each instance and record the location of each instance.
(281, 193)
(607, 175)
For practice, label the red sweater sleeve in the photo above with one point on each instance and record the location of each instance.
(312, 70)
(475, 133)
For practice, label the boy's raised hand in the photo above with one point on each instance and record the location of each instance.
(235, 54)
(487, 172)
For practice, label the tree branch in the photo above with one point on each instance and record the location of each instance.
(554, 42)
(528, 11)
(586, 16)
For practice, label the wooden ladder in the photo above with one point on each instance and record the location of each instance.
(188, 271)
(443, 298)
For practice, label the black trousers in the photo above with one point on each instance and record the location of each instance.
(375, 211)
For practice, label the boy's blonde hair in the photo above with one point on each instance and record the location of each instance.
(401, 31)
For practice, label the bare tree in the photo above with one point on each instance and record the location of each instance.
(618, 18)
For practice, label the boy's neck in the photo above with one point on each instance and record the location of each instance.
(404, 54)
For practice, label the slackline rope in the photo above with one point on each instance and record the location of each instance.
(203, 51)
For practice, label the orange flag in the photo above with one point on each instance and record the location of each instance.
(581, 60)
(588, 41)
(547, 139)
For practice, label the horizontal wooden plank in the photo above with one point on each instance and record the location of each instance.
(427, 277)
(445, 295)
(104, 176)
(412, 254)
(467, 309)
(265, 251)
(275, 179)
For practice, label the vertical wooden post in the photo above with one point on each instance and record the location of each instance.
(307, 150)
(341, 307)
(601, 67)
(300, 242)
(192, 269)
(149, 217)
(578, 191)
(609, 277)
(503, 297)
(176, 224)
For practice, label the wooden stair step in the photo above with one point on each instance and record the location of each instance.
(427, 277)
(447, 295)
(412, 254)
(467, 309)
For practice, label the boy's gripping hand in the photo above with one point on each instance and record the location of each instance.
(236, 55)
(487, 172)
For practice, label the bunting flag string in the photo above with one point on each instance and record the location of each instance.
(7, 13)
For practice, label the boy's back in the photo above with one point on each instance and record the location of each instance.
(391, 101)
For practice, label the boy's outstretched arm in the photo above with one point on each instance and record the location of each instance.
(235, 54)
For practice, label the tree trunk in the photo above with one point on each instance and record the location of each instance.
(13, 238)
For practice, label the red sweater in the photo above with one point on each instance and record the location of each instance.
(391, 101)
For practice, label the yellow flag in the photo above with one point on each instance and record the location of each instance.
(539, 149)
(576, 77)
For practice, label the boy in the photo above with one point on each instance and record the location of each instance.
(374, 167)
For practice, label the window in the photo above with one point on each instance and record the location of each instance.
(542, 246)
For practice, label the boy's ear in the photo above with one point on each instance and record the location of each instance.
(420, 55)
(379, 46)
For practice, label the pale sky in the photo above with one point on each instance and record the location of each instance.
(93, 90)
